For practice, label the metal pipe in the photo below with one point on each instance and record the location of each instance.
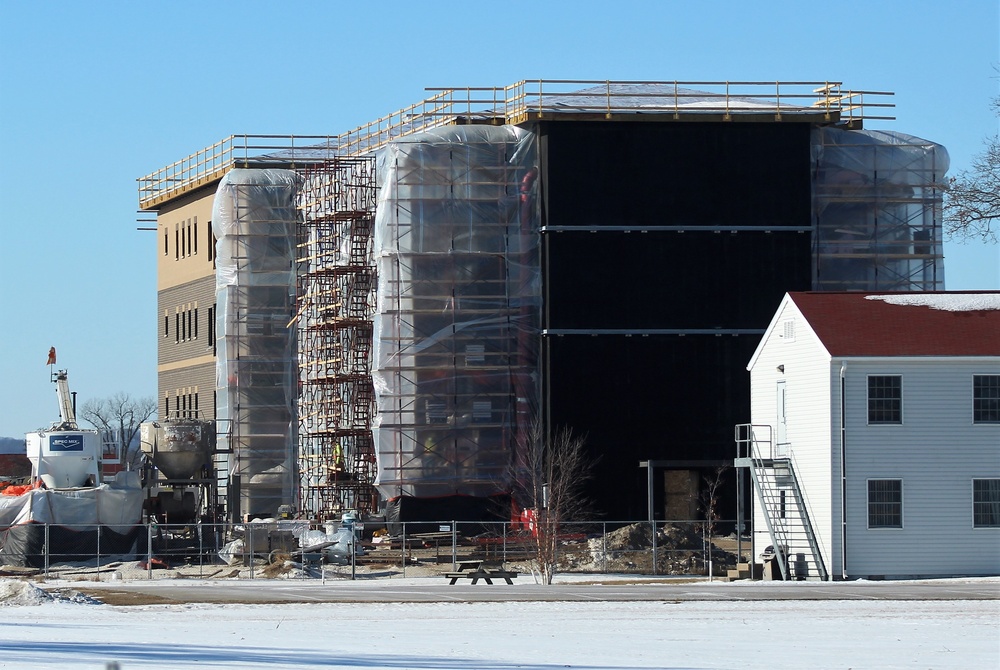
(843, 470)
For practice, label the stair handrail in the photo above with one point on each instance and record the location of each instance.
(807, 516)
(749, 446)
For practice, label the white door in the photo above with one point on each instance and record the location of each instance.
(781, 436)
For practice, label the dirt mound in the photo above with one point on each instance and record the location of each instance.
(680, 550)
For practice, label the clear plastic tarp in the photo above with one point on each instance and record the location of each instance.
(254, 220)
(455, 360)
(877, 199)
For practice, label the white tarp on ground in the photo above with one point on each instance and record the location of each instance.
(105, 505)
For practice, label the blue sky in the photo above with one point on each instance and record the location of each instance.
(96, 94)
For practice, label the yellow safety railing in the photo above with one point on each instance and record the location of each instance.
(212, 162)
(519, 102)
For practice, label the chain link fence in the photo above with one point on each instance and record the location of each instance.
(294, 549)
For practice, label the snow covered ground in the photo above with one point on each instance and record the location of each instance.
(38, 631)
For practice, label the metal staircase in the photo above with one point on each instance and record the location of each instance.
(793, 540)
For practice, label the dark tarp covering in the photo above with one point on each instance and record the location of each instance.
(423, 515)
(23, 545)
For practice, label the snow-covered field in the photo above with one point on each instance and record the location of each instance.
(37, 631)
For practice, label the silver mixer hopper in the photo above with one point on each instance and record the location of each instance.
(179, 448)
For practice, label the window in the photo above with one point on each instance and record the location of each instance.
(166, 241)
(475, 354)
(211, 327)
(437, 412)
(166, 400)
(986, 503)
(482, 411)
(985, 398)
(885, 399)
(177, 327)
(196, 236)
(211, 244)
(177, 241)
(166, 324)
(196, 323)
(189, 237)
(885, 503)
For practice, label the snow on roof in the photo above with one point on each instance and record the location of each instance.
(949, 302)
(904, 324)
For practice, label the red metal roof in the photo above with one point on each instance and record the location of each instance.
(851, 324)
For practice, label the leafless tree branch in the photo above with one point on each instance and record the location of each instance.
(972, 199)
(121, 415)
(548, 478)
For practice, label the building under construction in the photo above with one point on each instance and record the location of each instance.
(386, 313)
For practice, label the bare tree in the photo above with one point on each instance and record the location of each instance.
(121, 415)
(708, 503)
(972, 202)
(549, 478)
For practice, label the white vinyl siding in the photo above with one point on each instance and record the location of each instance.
(806, 377)
(936, 452)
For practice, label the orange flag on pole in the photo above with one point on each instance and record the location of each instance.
(52, 356)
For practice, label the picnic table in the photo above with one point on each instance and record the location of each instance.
(476, 570)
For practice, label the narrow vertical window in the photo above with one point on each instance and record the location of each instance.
(195, 236)
(190, 331)
(885, 503)
(166, 408)
(211, 243)
(177, 241)
(885, 399)
(196, 323)
(166, 242)
(166, 325)
(211, 326)
(189, 237)
(177, 327)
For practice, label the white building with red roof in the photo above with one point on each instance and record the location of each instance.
(874, 443)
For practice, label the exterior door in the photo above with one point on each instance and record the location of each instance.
(780, 433)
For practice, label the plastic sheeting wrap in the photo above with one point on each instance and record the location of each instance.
(456, 324)
(254, 220)
(877, 207)
(105, 505)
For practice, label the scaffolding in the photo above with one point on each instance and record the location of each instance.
(877, 200)
(334, 307)
(254, 221)
(456, 326)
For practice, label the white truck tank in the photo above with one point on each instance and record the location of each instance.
(65, 458)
